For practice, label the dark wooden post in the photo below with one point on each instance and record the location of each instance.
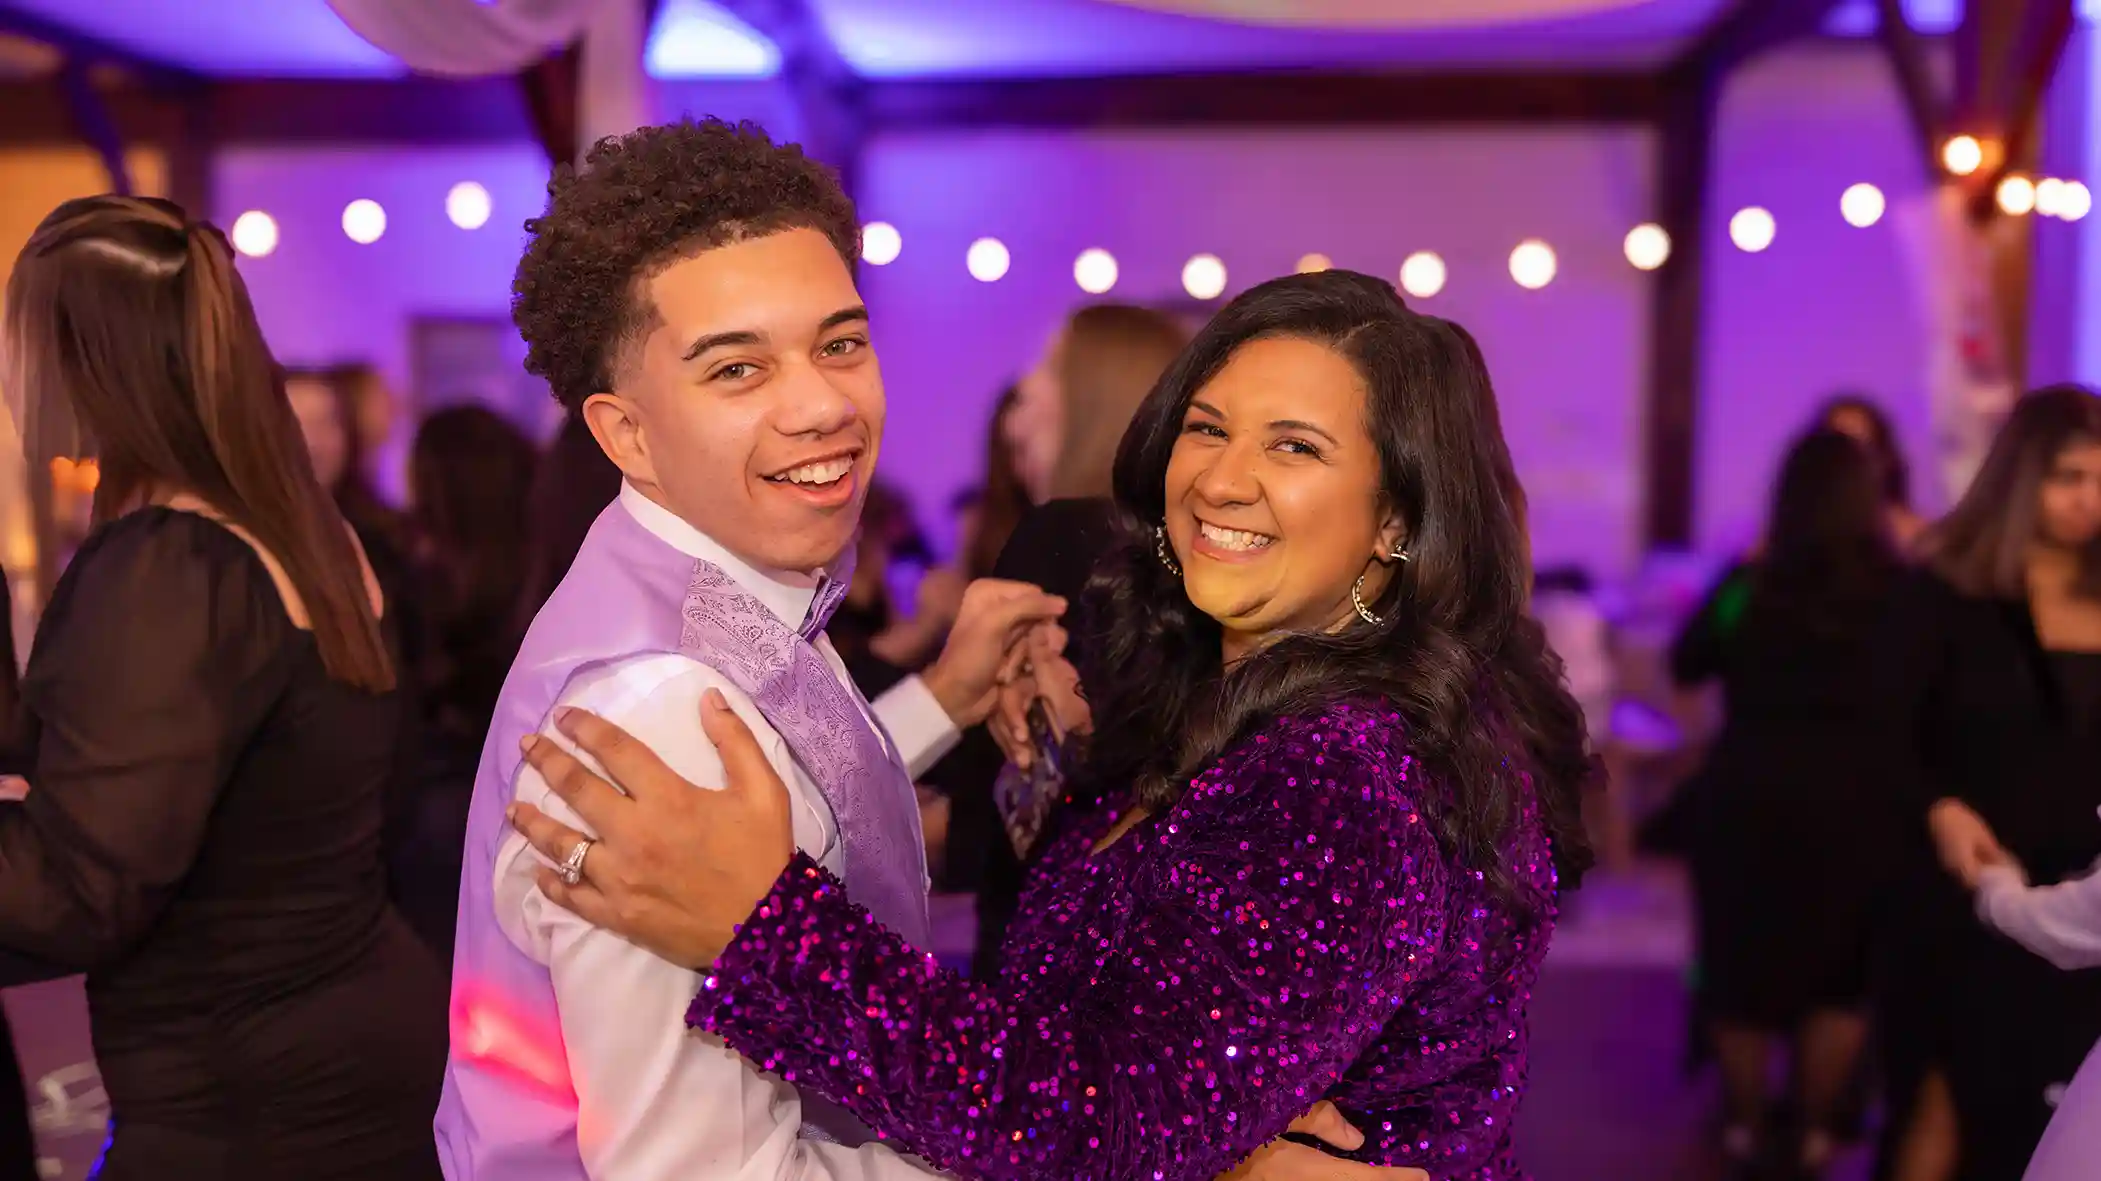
(2005, 53)
(829, 98)
(1684, 150)
(1692, 91)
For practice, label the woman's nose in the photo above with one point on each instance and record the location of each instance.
(1229, 479)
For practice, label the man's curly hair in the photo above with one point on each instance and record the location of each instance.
(640, 202)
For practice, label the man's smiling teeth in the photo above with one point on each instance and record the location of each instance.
(816, 473)
(1233, 539)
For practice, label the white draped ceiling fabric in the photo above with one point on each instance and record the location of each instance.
(474, 39)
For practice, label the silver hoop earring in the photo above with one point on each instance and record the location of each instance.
(1357, 600)
(1165, 553)
(1401, 554)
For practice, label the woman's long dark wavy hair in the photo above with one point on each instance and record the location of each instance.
(1455, 652)
(1828, 552)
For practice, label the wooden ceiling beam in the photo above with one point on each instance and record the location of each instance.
(422, 111)
(1906, 51)
(1271, 98)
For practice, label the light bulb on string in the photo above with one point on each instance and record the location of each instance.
(1962, 155)
(2077, 201)
(1423, 274)
(1533, 264)
(1095, 271)
(880, 243)
(254, 234)
(468, 206)
(2050, 196)
(1648, 246)
(987, 260)
(1204, 277)
(1862, 205)
(2016, 195)
(364, 221)
(1752, 229)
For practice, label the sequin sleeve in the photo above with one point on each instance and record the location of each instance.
(1270, 924)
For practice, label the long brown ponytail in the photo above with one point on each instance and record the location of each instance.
(135, 341)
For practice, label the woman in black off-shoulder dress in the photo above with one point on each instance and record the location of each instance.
(210, 732)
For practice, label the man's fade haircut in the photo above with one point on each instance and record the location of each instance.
(638, 203)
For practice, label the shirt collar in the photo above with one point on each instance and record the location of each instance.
(784, 593)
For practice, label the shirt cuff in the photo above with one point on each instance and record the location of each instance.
(922, 730)
(1996, 884)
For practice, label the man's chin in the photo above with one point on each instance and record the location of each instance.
(807, 549)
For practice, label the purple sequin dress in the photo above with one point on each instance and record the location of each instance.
(1289, 931)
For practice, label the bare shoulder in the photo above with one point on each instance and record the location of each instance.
(294, 602)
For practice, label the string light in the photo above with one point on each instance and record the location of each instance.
(364, 221)
(468, 205)
(880, 243)
(2017, 195)
(1648, 246)
(2050, 196)
(1862, 205)
(254, 233)
(1422, 274)
(1095, 271)
(987, 260)
(1533, 264)
(1204, 277)
(2077, 201)
(1962, 155)
(1752, 229)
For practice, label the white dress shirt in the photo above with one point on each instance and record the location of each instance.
(2061, 923)
(657, 1102)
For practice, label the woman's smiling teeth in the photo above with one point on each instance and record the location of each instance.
(1233, 539)
(816, 474)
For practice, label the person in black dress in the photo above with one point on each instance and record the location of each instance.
(470, 474)
(1992, 671)
(572, 485)
(1053, 443)
(18, 1151)
(211, 729)
(1792, 797)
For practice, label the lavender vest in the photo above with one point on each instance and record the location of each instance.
(509, 1112)
(2071, 1145)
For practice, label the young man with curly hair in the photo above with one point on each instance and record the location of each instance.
(690, 292)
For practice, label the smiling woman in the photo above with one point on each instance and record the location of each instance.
(1260, 495)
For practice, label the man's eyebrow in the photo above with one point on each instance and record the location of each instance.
(746, 336)
(716, 340)
(856, 313)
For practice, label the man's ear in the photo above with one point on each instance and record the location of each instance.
(617, 425)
